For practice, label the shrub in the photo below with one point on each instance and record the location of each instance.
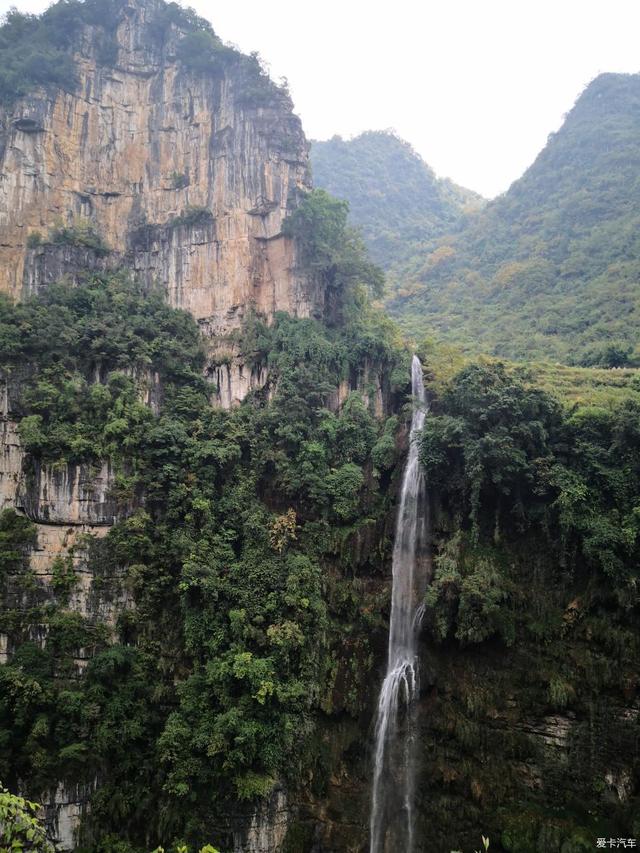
(81, 233)
(20, 827)
(191, 215)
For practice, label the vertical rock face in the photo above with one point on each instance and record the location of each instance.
(138, 143)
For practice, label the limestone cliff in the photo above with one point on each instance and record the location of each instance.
(136, 144)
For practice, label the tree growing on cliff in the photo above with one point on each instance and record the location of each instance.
(329, 245)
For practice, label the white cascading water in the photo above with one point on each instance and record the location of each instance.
(391, 826)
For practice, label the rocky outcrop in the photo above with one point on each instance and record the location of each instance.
(69, 494)
(257, 828)
(233, 379)
(49, 263)
(268, 827)
(11, 457)
(62, 812)
(185, 175)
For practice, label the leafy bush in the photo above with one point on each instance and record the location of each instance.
(508, 467)
(19, 826)
(203, 52)
(81, 233)
(191, 215)
(106, 328)
(179, 180)
(38, 50)
(468, 594)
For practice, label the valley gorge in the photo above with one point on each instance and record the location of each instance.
(207, 426)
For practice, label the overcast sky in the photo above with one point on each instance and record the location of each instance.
(476, 86)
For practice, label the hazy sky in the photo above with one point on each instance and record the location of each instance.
(476, 86)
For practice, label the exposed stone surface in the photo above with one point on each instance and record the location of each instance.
(62, 811)
(71, 494)
(47, 264)
(132, 148)
(234, 379)
(268, 826)
(11, 457)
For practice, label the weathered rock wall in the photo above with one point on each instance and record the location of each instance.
(134, 146)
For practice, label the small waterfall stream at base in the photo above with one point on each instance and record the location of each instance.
(392, 802)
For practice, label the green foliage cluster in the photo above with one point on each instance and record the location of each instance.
(106, 330)
(330, 246)
(191, 215)
(203, 52)
(20, 829)
(393, 195)
(184, 18)
(179, 180)
(237, 562)
(533, 604)
(81, 233)
(548, 270)
(510, 467)
(36, 50)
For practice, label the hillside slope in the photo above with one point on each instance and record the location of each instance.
(394, 196)
(550, 269)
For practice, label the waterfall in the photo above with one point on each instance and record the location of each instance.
(391, 826)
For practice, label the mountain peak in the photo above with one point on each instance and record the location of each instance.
(394, 196)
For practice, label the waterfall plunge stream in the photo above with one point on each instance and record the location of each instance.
(391, 825)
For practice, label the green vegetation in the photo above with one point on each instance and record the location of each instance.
(537, 546)
(393, 195)
(191, 215)
(179, 180)
(240, 563)
(203, 52)
(550, 269)
(34, 240)
(505, 459)
(81, 233)
(20, 828)
(17, 534)
(37, 50)
(331, 247)
(570, 385)
(547, 271)
(105, 329)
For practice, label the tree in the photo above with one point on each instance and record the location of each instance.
(20, 829)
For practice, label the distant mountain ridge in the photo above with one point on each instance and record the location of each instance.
(550, 269)
(394, 196)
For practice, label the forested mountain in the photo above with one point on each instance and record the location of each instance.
(548, 270)
(393, 195)
(203, 425)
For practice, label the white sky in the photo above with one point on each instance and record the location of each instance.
(476, 86)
